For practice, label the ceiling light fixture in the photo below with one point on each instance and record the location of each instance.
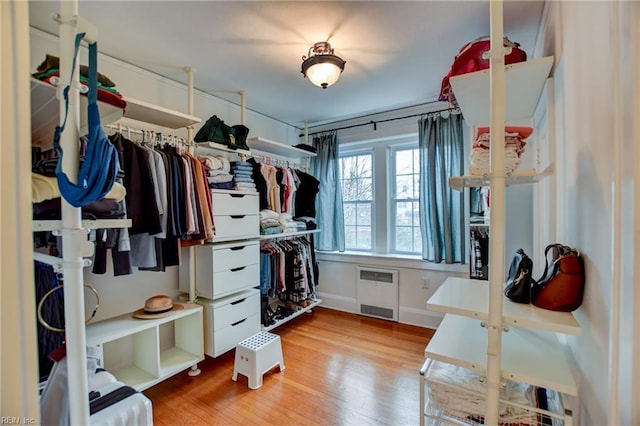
(322, 67)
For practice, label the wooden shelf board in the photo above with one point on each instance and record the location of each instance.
(277, 148)
(315, 303)
(528, 356)
(524, 82)
(154, 114)
(470, 298)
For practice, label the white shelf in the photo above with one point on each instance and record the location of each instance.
(277, 148)
(528, 356)
(470, 298)
(154, 114)
(296, 314)
(524, 82)
(207, 147)
(516, 178)
(143, 352)
(45, 115)
(289, 234)
(50, 225)
(126, 324)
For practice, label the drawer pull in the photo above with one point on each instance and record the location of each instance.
(237, 216)
(237, 195)
(237, 248)
(238, 269)
(238, 301)
(238, 322)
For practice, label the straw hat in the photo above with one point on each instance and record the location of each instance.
(157, 307)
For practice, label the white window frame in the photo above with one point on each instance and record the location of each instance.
(354, 153)
(393, 200)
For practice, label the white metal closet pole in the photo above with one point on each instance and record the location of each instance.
(192, 256)
(73, 236)
(497, 219)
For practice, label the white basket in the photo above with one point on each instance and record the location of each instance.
(457, 396)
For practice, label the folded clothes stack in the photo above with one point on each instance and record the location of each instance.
(49, 72)
(514, 147)
(242, 172)
(218, 170)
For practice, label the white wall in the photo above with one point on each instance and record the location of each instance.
(124, 294)
(589, 178)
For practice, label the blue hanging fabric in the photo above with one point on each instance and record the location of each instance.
(98, 171)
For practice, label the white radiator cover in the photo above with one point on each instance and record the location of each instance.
(377, 293)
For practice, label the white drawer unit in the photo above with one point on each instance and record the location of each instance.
(235, 215)
(222, 269)
(229, 203)
(229, 320)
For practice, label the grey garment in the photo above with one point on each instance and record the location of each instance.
(143, 251)
(54, 401)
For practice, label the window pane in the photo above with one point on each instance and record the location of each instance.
(350, 237)
(349, 214)
(364, 214)
(403, 214)
(404, 239)
(364, 237)
(364, 165)
(404, 187)
(357, 190)
(404, 162)
(365, 190)
(406, 217)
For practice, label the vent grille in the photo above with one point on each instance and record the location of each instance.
(376, 311)
(383, 277)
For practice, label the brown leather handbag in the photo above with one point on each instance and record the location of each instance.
(561, 287)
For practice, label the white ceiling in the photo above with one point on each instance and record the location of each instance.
(396, 51)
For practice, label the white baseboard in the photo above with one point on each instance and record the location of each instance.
(339, 303)
(419, 317)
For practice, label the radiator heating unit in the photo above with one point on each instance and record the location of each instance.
(377, 293)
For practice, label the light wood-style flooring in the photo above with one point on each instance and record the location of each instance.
(340, 369)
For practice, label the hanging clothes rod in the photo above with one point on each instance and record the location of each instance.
(375, 122)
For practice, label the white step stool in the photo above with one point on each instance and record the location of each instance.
(256, 355)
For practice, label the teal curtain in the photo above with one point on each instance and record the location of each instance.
(441, 208)
(329, 210)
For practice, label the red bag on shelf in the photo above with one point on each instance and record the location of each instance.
(470, 59)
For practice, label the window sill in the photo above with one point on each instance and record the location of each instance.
(391, 260)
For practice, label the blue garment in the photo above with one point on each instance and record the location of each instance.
(100, 167)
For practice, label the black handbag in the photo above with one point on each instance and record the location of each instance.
(519, 283)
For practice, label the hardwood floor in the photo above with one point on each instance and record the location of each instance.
(340, 369)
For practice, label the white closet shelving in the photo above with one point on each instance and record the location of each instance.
(277, 148)
(286, 152)
(45, 113)
(142, 352)
(526, 346)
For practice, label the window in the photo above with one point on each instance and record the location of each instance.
(393, 224)
(404, 205)
(357, 193)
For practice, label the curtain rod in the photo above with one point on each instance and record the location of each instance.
(375, 122)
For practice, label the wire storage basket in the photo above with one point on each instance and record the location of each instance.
(457, 396)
